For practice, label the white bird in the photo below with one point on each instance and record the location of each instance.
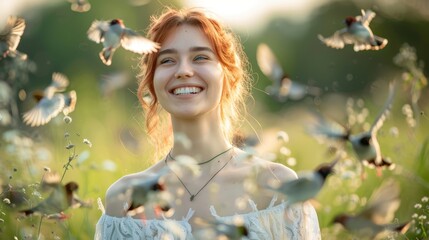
(114, 34)
(10, 36)
(51, 102)
(357, 32)
(283, 87)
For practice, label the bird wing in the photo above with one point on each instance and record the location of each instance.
(13, 31)
(336, 40)
(97, 30)
(378, 122)
(56, 202)
(383, 203)
(59, 82)
(366, 18)
(268, 63)
(134, 42)
(111, 82)
(328, 128)
(44, 111)
(306, 180)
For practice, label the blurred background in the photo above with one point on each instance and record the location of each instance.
(107, 127)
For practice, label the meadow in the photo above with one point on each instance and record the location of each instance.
(104, 137)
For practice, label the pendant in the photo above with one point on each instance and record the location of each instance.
(192, 198)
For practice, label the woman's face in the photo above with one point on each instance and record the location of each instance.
(188, 78)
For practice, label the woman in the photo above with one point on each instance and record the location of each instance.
(198, 79)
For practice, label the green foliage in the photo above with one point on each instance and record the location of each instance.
(55, 40)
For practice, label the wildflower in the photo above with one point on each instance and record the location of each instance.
(291, 161)
(422, 217)
(283, 136)
(285, 151)
(418, 206)
(415, 215)
(67, 119)
(70, 146)
(87, 142)
(6, 200)
(109, 165)
(425, 199)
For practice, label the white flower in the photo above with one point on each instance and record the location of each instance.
(87, 142)
(283, 136)
(425, 199)
(418, 206)
(67, 119)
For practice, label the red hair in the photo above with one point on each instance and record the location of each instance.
(230, 55)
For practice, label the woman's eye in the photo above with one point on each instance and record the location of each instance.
(200, 57)
(166, 60)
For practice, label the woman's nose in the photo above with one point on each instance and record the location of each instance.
(184, 70)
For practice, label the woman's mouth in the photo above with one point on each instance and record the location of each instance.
(186, 90)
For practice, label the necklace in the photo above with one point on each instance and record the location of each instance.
(192, 196)
(211, 159)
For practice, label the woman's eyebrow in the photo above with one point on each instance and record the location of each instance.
(199, 49)
(167, 51)
(192, 49)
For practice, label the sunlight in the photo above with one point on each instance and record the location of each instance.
(251, 15)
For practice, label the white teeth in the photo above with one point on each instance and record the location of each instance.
(187, 90)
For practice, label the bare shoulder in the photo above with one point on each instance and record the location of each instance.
(117, 195)
(278, 171)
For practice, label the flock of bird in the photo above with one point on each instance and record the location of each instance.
(113, 34)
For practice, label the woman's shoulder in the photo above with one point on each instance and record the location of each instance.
(267, 170)
(117, 195)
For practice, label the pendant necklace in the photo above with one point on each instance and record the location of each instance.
(192, 196)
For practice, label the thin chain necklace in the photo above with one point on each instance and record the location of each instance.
(211, 159)
(192, 196)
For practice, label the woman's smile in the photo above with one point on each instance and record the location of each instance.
(188, 79)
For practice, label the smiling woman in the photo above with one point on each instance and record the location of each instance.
(199, 79)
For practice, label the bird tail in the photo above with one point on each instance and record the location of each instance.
(380, 42)
(106, 56)
(403, 228)
(27, 212)
(383, 164)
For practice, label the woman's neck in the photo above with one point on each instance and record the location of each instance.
(200, 140)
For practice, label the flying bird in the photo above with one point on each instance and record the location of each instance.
(377, 215)
(10, 37)
(283, 87)
(51, 102)
(114, 34)
(357, 32)
(364, 144)
(60, 198)
(15, 196)
(80, 5)
(147, 191)
(307, 185)
(109, 83)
